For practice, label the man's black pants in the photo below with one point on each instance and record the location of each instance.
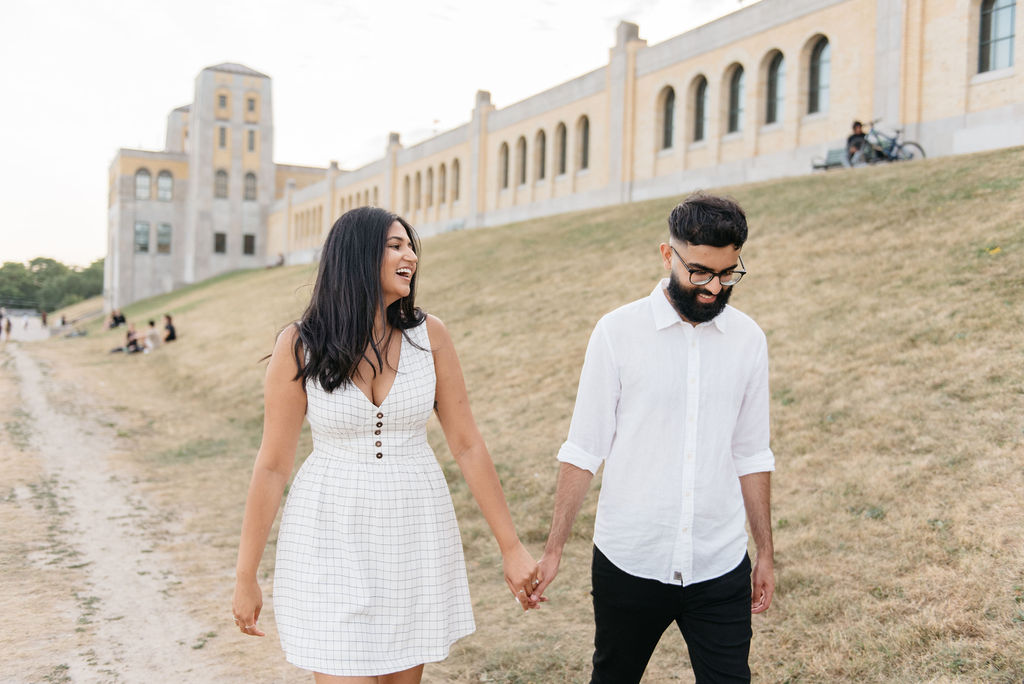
(631, 614)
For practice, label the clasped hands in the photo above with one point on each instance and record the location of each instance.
(528, 579)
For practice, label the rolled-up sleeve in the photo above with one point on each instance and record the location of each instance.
(751, 452)
(592, 430)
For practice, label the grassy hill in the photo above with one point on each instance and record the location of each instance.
(892, 300)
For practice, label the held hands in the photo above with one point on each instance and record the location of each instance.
(762, 581)
(521, 575)
(246, 607)
(547, 568)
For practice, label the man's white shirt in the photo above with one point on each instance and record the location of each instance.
(677, 414)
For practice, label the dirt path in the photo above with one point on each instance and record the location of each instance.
(106, 609)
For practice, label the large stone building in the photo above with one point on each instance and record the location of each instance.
(754, 95)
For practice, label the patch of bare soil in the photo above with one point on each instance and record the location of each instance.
(88, 592)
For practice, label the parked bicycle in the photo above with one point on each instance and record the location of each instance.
(880, 147)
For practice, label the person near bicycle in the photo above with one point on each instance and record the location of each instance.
(857, 145)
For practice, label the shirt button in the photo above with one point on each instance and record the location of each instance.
(379, 424)
(376, 432)
(380, 415)
(377, 444)
(380, 455)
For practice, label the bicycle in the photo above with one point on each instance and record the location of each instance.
(879, 147)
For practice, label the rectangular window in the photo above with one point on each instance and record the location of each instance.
(248, 244)
(222, 101)
(141, 236)
(220, 243)
(163, 238)
(251, 104)
(222, 137)
(252, 141)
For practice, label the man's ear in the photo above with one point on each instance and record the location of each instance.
(666, 255)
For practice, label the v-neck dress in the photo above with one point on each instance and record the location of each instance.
(370, 576)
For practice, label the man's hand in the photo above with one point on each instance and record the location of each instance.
(763, 584)
(547, 568)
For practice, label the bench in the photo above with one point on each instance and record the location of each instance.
(835, 157)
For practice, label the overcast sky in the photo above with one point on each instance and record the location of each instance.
(81, 79)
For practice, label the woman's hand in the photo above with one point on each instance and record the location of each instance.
(521, 575)
(246, 607)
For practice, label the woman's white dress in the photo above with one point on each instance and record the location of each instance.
(370, 576)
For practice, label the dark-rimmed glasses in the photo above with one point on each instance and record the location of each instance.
(702, 276)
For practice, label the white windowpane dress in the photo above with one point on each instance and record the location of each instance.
(370, 576)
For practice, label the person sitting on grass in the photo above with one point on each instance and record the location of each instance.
(170, 336)
(151, 340)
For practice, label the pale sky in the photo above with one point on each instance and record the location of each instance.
(78, 80)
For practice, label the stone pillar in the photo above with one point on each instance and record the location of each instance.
(621, 90)
(888, 61)
(476, 178)
(389, 193)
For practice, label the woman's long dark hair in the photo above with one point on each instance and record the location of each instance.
(337, 327)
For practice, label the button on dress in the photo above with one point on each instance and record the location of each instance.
(370, 577)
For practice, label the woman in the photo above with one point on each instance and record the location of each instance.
(370, 581)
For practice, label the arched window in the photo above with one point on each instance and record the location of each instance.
(220, 184)
(503, 166)
(405, 195)
(583, 131)
(250, 186)
(995, 45)
(560, 148)
(700, 109)
(541, 151)
(142, 184)
(442, 180)
(776, 83)
(164, 186)
(376, 196)
(820, 68)
(736, 97)
(430, 187)
(418, 190)
(667, 113)
(455, 180)
(521, 160)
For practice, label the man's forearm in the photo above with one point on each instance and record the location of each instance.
(573, 483)
(756, 489)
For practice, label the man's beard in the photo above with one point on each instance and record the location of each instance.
(684, 300)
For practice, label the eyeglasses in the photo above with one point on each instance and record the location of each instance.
(700, 276)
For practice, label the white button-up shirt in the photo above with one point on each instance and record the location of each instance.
(677, 414)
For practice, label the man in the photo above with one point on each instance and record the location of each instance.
(856, 145)
(673, 399)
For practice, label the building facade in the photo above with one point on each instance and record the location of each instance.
(754, 95)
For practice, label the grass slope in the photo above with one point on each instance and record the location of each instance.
(891, 297)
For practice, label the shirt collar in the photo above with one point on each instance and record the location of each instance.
(665, 315)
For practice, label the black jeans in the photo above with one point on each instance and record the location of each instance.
(631, 614)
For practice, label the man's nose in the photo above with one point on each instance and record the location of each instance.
(715, 286)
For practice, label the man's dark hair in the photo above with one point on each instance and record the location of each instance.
(856, 124)
(703, 219)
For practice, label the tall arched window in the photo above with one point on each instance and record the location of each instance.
(667, 114)
(142, 184)
(503, 166)
(250, 186)
(405, 195)
(430, 187)
(164, 186)
(418, 190)
(540, 153)
(376, 196)
(736, 97)
(700, 109)
(776, 83)
(442, 182)
(560, 147)
(220, 184)
(583, 131)
(820, 68)
(995, 45)
(521, 160)
(455, 180)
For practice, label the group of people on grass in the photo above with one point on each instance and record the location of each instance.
(145, 341)
(370, 579)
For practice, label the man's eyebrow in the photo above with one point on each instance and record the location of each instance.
(701, 267)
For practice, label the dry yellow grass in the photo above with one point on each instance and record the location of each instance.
(892, 302)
